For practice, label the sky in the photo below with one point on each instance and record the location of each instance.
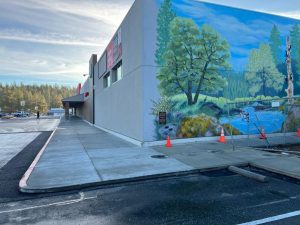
(51, 41)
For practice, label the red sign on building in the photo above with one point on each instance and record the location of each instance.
(114, 50)
(110, 55)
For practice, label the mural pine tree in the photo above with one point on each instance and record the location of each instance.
(262, 72)
(164, 18)
(295, 38)
(275, 44)
(193, 59)
(295, 42)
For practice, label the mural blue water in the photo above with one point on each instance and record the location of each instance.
(272, 121)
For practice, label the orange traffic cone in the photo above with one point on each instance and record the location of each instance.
(298, 134)
(222, 137)
(262, 133)
(168, 144)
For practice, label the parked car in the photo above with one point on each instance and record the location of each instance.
(7, 116)
(20, 114)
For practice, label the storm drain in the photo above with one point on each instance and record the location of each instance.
(159, 156)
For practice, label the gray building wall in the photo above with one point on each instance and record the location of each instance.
(85, 111)
(150, 83)
(125, 106)
(119, 108)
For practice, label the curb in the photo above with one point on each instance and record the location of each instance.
(275, 171)
(247, 173)
(23, 182)
(125, 180)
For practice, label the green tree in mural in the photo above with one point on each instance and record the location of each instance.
(262, 72)
(193, 58)
(295, 42)
(164, 18)
(275, 44)
(295, 38)
(237, 85)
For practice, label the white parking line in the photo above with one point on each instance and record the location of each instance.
(274, 202)
(82, 198)
(273, 218)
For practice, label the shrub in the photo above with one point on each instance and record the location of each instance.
(228, 128)
(197, 126)
(164, 104)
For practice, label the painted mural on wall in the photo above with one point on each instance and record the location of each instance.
(217, 65)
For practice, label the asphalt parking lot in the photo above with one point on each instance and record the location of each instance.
(17, 133)
(27, 124)
(19, 144)
(216, 197)
(219, 197)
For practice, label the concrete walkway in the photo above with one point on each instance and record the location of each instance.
(80, 155)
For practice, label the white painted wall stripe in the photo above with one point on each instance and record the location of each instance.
(273, 218)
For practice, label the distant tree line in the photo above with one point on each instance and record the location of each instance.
(43, 96)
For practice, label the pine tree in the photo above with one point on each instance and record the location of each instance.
(295, 38)
(262, 73)
(33, 95)
(295, 42)
(164, 19)
(275, 44)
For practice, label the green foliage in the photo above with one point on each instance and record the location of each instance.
(237, 86)
(275, 44)
(164, 18)
(197, 126)
(164, 104)
(192, 60)
(43, 96)
(228, 129)
(256, 98)
(180, 105)
(295, 42)
(293, 123)
(262, 72)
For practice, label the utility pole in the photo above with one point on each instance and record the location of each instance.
(289, 78)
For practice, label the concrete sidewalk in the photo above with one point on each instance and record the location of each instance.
(80, 155)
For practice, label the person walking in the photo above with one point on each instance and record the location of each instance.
(38, 114)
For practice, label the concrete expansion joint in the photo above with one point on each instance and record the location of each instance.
(85, 150)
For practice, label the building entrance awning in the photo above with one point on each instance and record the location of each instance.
(74, 101)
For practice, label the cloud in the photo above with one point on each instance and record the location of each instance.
(39, 65)
(48, 38)
(107, 11)
(292, 14)
(54, 39)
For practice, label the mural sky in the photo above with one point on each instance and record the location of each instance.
(243, 29)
